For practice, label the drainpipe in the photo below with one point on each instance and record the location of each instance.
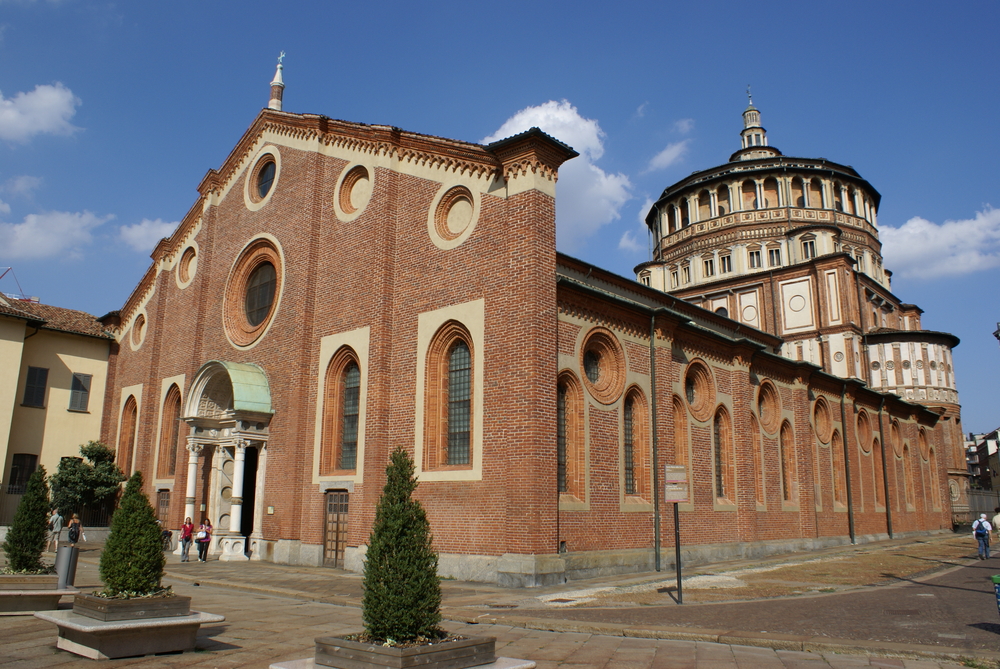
(656, 460)
(885, 472)
(847, 464)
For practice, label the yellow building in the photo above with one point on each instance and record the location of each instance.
(53, 370)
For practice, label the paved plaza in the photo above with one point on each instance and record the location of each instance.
(273, 612)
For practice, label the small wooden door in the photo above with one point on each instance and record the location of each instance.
(335, 541)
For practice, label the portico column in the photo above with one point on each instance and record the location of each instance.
(236, 510)
(194, 451)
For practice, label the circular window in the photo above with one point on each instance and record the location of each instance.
(188, 265)
(933, 364)
(355, 191)
(262, 179)
(876, 365)
(699, 389)
(252, 292)
(603, 363)
(906, 364)
(864, 431)
(265, 177)
(823, 420)
(138, 330)
(896, 439)
(769, 407)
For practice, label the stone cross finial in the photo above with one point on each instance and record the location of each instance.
(281, 57)
(749, 97)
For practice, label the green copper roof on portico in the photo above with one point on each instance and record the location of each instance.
(251, 391)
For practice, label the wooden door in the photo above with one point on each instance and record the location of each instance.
(335, 540)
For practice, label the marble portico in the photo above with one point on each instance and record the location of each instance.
(228, 413)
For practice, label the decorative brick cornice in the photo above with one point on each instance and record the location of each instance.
(531, 151)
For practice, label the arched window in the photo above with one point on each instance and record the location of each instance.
(635, 436)
(908, 477)
(877, 468)
(126, 435)
(680, 432)
(341, 413)
(722, 456)
(448, 428)
(170, 416)
(722, 199)
(798, 194)
(839, 471)
(569, 442)
(758, 460)
(786, 452)
(935, 480)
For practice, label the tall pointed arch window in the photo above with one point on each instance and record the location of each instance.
(448, 415)
(786, 453)
(126, 435)
(166, 465)
(878, 471)
(839, 471)
(758, 460)
(908, 478)
(680, 432)
(569, 437)
(341, 413)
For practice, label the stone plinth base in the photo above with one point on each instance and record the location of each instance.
(233, 548)
(26, 602)
(498, 663)
(106, 640)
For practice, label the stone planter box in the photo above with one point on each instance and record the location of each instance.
(28, 582)
(100, 608)
(107, 640)
(345, 654)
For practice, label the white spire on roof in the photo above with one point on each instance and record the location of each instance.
(277, 86)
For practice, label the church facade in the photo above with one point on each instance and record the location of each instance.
(339, 290)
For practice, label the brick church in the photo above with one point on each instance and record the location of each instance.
(340, 289)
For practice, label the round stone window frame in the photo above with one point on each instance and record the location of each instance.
(823, 420)
(261, 249)
(187, 265)
(865, 432)
(769, 407)
(437, 216)
(611, 358)
(698, 376)
(251, 198)
(349, 177)
(137, 333)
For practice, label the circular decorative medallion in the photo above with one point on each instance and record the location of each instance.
(953, 490)
(864, 431)
(187, 266)
(920, 364)
(138, 331)
(933, 364)
(838, 356)
(603, 362)
(699, 390)
(252, 292)
(896, 439)
(797, 303)
(906, 364)
(875, 365)
(749, 313)
(453, 216)
(769, 407)
(890, 365)
(823, 420)
(354, 192)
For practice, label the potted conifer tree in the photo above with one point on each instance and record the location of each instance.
(25, 575)
(401, 607)
(132, 566)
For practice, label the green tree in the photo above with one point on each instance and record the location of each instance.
(132, 561)
(402, 590)
(80, 484)
(28, 532)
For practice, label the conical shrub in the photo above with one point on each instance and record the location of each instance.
(402, 591)
(132, 561)
(28, 532)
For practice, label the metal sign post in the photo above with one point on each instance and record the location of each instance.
(676, 491)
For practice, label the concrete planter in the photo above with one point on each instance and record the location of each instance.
(101, 608)
(345, 654)
(28, 582)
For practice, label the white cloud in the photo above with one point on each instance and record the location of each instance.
(49, 234)
(22, 185)
(922, 249)
(668, 156)
(143, 236)
(45, 110)
(4, 207)
(641, 109)
(588, 197)
(684, 126)
(632, 240)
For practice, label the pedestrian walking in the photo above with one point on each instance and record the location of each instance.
(55, 529)
(187, 535)
(74, 529)
(996, 521)
(204, 538)
(981, 530)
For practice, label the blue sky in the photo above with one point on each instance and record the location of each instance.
(110, 115)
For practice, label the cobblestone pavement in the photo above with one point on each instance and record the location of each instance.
(274, 612)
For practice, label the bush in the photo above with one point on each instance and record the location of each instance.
(28, 533)
(132, 561)
(77, 484)
(402, 591)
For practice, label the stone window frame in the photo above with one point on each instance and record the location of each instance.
(358, 342)
(331, 449)
(757, 452)
(171, 410)
(436, 399)
(261, 249)
(723, 459)
(251, 197)
(639, 444)
(838, 470)
(572, 451)
(789, 462)
(128, 423)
